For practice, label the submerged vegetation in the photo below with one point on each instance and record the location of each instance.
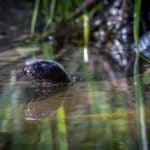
(96, 41)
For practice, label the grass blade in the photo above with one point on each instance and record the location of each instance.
(137, 82)
(34, 16)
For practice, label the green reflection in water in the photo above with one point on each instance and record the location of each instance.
(46, 141)
(11, 123)
(62, 129)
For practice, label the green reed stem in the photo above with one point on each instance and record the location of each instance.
(137, 81)
(34, 16)
(51, 15)
(86, 29)
(45, 6)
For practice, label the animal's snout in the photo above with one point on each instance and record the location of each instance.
(26, 70)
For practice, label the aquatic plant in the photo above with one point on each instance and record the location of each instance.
(137, 81)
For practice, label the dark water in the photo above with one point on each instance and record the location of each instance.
(98, 112)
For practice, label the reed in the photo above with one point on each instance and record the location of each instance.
(137, 81)
(34, 16)
(50, 14)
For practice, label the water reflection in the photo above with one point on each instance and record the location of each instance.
(89, 114)
(44, 102)
(97, 112)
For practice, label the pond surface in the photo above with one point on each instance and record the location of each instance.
(98, 112)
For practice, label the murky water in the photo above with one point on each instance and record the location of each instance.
(94, 113)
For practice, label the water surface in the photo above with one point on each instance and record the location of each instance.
(94, 113)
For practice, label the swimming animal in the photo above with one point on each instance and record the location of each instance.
(46, 71)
